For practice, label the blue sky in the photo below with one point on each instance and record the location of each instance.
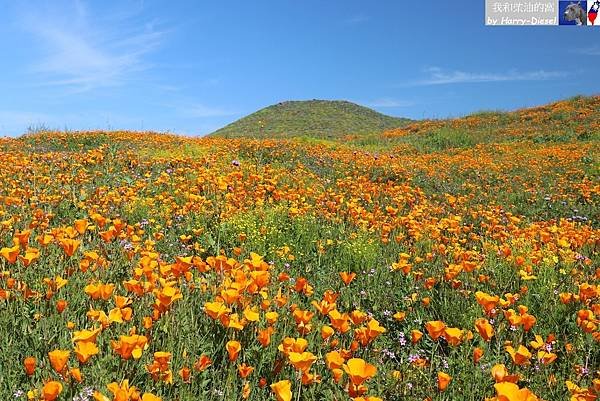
(193, 66)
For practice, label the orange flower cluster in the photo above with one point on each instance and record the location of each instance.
(139, 266)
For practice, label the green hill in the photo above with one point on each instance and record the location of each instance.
(314, 118)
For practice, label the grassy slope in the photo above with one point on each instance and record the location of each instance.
(333, 209)
(562, 121)
(315, 118)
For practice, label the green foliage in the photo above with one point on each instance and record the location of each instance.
(313, 118)
(443, 139)
(326, 213)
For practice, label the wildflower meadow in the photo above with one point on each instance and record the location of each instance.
(446, 260)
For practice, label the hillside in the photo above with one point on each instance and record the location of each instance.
(315, 118)
(573, 119)
(224, 263)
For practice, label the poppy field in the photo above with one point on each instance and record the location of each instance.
(447, 260)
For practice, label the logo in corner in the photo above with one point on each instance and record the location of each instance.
(593, 12)
(572, 13)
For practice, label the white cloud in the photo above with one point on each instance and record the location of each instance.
(389, 103)
(82, 52)
(18, 122)
(588, 51)
(198, 110)
(356, 19)
(14, 122)
(438, 76)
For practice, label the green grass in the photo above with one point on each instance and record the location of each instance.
(314, 118)
(169, 187)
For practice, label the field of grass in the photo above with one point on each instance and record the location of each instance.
(312, 118)
(450, 260)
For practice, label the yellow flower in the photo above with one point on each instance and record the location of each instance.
(282, 390)
(359, 371)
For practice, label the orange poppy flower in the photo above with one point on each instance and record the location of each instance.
(202, 363)
(443, 379)
(484, 328)
(399, 316)
(264, 336)
(359, 371)
(326, 332)
(435, 328)
(186, 374)
(487, 301)
(76, 374)
(245, 370)
(22, 237)
(59, 359)
(29, 364)
(10, 254)
(216, 309)
(271, 317)
(477, 354)
(358, 317)
(374, 329)
(99, 291)
(233, 349)
(537, 343)
(339, 321)
(347, 277)
(165, 297)
(123, 391)
(130, 346)
(507, 391)
(528, 321)
(61, 305)
(86, 335)
(159, 368)
(302, 361)
(302, 318)
(31, 255)
(546, 357)
(51, 390)
(84, 350)
(337, 374)
(292, 345)
(69, 246)
(251, 314)
(122, 312)
(258, 280)
(162, 359)
(453, 335)
(521, 356)
(334, 360)
(282, 390)
(108, 235)
(500, 374)
(324, 306)
(81, 225)
(415, 336)
(583, 394)
(246, 389)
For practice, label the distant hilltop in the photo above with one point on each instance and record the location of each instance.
(313, 118)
